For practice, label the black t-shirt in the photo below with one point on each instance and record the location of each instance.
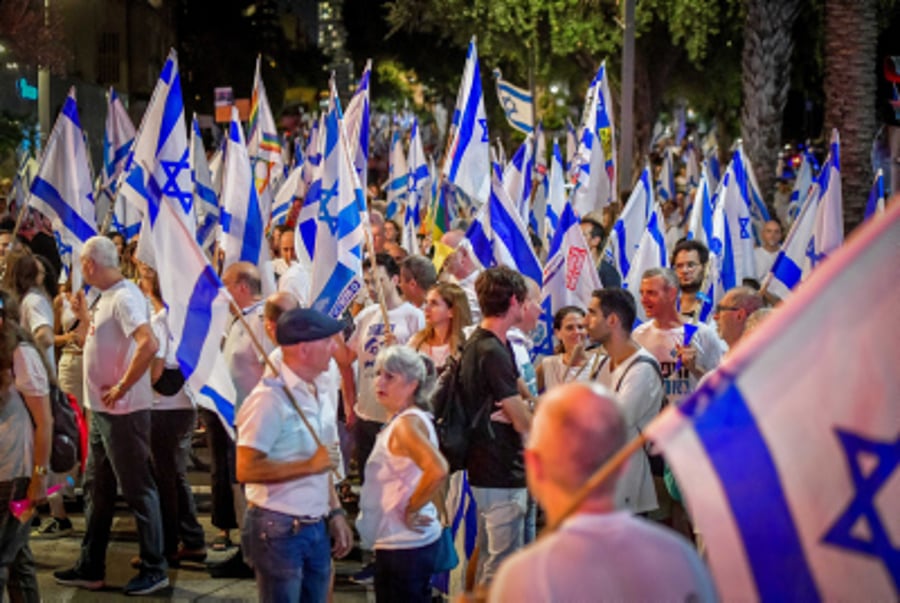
(488, 374)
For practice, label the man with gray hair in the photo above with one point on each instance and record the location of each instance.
(732, 312)
(598, 552)
(118, 347)
(417, 276)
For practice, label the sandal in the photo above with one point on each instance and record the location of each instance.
(221, 543)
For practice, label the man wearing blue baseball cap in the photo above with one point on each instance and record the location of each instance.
(292, 508)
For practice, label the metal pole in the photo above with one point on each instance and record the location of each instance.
(627, 142)
(44, 89)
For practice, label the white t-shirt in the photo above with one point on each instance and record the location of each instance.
(35, 312)
(16, 428)
(605, 557)
(184, 398)
(764, 261)
(661, 344)
(244, 362)
(368, 339)
(297, 281)
(639, 399)
(268, 422)
(109, 348)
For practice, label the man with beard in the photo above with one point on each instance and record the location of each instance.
(689, 260)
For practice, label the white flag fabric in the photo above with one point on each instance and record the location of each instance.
(787, 454)
(700, 218)
(198, 311)
(468, 164)
(623, 241)
(241, 216)
(118, 136)
(206, 200)
(732, 245)
(337, 263)
(569, 275)
(518, 177)
(62, 188)
(556, 191)
(264, 144)
(517, 103)
(397, 184)
(356, 124)
(651, 253)
(418, 190)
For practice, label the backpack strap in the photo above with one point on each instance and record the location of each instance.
(641, 359)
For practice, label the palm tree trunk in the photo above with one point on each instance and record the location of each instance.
(851, 36)
(765, 75)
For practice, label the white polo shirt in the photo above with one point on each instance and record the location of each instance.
(268, 422)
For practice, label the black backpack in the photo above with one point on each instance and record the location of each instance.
(451, 421)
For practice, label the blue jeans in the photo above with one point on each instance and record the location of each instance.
(405, 574)
(292, 559)
(501, 527)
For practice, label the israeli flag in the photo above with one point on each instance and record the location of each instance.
(313, 157)
(743, 170)
(692, 166)
(206, 201)
(665, 186)
(419, 182)
(875, 203)
(499, 236)
(118, 137)
(629, 229)
(802, 184)
(795, 259)
(242, 218)
(62, 188)
(829, 229)
(158, 169)
(596, 123)
(308, 219)
(337, 265)
(700, 218)
(751, 446)
(651, 253)
(571, 145)
(289, 191)
(569, 275)
(732, 243)
(556, 192)
(356, 124)
(592, 185)
(198, 311)
(517, 103)
(264, 144)
(397, 187)
(537, 217)
(468, 163)
(518, 177)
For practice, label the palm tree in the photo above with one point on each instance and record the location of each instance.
(851, 35)
(765, 75)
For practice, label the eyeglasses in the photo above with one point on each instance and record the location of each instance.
(721, 308)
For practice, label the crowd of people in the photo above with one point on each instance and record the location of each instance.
(321, 402)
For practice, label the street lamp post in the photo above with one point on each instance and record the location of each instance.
(44, 88)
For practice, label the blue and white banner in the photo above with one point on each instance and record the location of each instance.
(517, 103)
(788, 453)
(623, 241)
(62, 190)
(242, 218)
(356, 124)
(158, 168)
(198, 311)
(570, 276)
(206, 200)
(118, 137)
(732, 245)
(337, 265)
(419, 190)
(468, 163)
(500, 237)
(651, 253)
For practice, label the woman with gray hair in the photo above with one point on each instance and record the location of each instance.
(403, 475)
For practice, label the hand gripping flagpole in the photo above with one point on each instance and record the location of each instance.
(271, 366)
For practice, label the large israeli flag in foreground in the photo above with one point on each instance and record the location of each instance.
(62, 189)
(789, 455)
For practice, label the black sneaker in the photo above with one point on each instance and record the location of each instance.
(73, 577)
(146, 583)
(365, 576)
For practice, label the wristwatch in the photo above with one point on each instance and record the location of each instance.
(335, 512)
(40, 470)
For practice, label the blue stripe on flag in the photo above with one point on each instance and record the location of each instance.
(223, 406)
(253, 231)
(467, 123)
(507, 89)
(481, 244)
(172, 112)
(335, 297)
(624, 265)
(67, 214)
(199, 315)
(70, 110)
(740, 455)
(785, 270)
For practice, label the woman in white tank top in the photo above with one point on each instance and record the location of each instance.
(403, 474)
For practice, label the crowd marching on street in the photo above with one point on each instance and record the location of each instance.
(439, 387)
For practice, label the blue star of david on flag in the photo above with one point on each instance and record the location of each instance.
(172, 170)
(863, 508)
